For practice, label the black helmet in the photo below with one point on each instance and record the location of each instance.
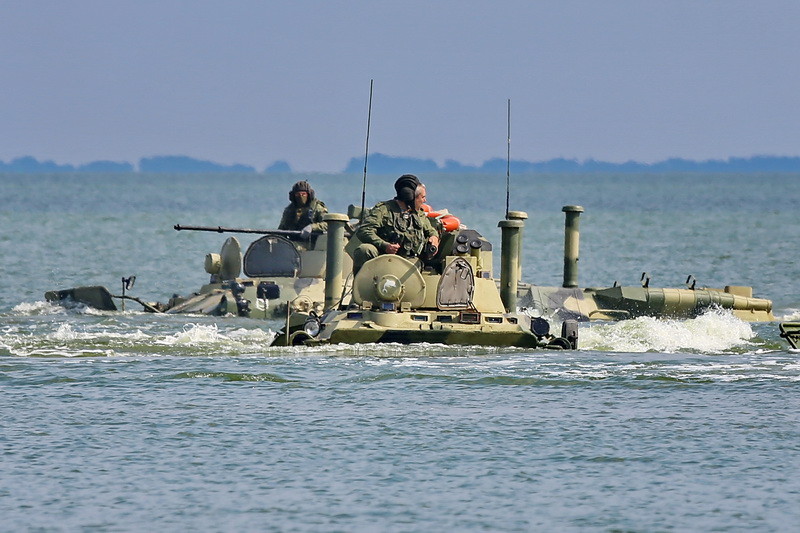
(406, 186)
(302, 185)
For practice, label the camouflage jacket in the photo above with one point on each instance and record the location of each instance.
(298, 217)
(388, 223)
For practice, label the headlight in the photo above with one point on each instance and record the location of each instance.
(312, 326)
(389, 288)
(540, 327)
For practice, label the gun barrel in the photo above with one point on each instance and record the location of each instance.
(222, 229)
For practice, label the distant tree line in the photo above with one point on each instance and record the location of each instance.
(380, 163)
(163, 164)
(386, 164)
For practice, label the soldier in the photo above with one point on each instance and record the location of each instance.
(304, 213)
(398, 226)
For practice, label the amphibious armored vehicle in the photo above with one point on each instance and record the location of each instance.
(457, 301)
(452, 299)
(618, 303)
(282, 272)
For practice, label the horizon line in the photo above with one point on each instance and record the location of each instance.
(392, 164)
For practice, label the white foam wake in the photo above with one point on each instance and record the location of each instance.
(70, 340)
(197, 334)
(792, 315)
(713, 332)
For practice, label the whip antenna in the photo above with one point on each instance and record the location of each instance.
(508, 159)
(366, 152)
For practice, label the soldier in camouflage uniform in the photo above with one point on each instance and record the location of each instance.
(304, 213)
(398, 226)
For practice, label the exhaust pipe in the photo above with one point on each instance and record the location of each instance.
(523, 216)
(571, 244)
(509, 262)
(334, 257)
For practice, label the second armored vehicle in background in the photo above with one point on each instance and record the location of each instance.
(619, 303)
(279, 272)
(282, 273)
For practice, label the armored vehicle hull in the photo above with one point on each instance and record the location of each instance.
(374, 326)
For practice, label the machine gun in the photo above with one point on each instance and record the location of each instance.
(291, 234)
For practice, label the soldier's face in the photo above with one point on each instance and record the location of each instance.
(421, 198)
(301, 197)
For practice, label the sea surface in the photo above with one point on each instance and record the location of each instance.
(140, 422)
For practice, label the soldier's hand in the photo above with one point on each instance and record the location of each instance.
(392, 248)
(305, 233)
(434, 241)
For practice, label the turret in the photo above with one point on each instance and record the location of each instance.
(334, 258)
(509, 262)
(571, 244)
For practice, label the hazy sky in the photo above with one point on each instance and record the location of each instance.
(254, 81)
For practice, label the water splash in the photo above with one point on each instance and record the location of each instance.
(198, 334)
(423, 350)
(715, 331)
(111, 338)
(44, 308)
(792, 315)
(66, 332)
(38, 308)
